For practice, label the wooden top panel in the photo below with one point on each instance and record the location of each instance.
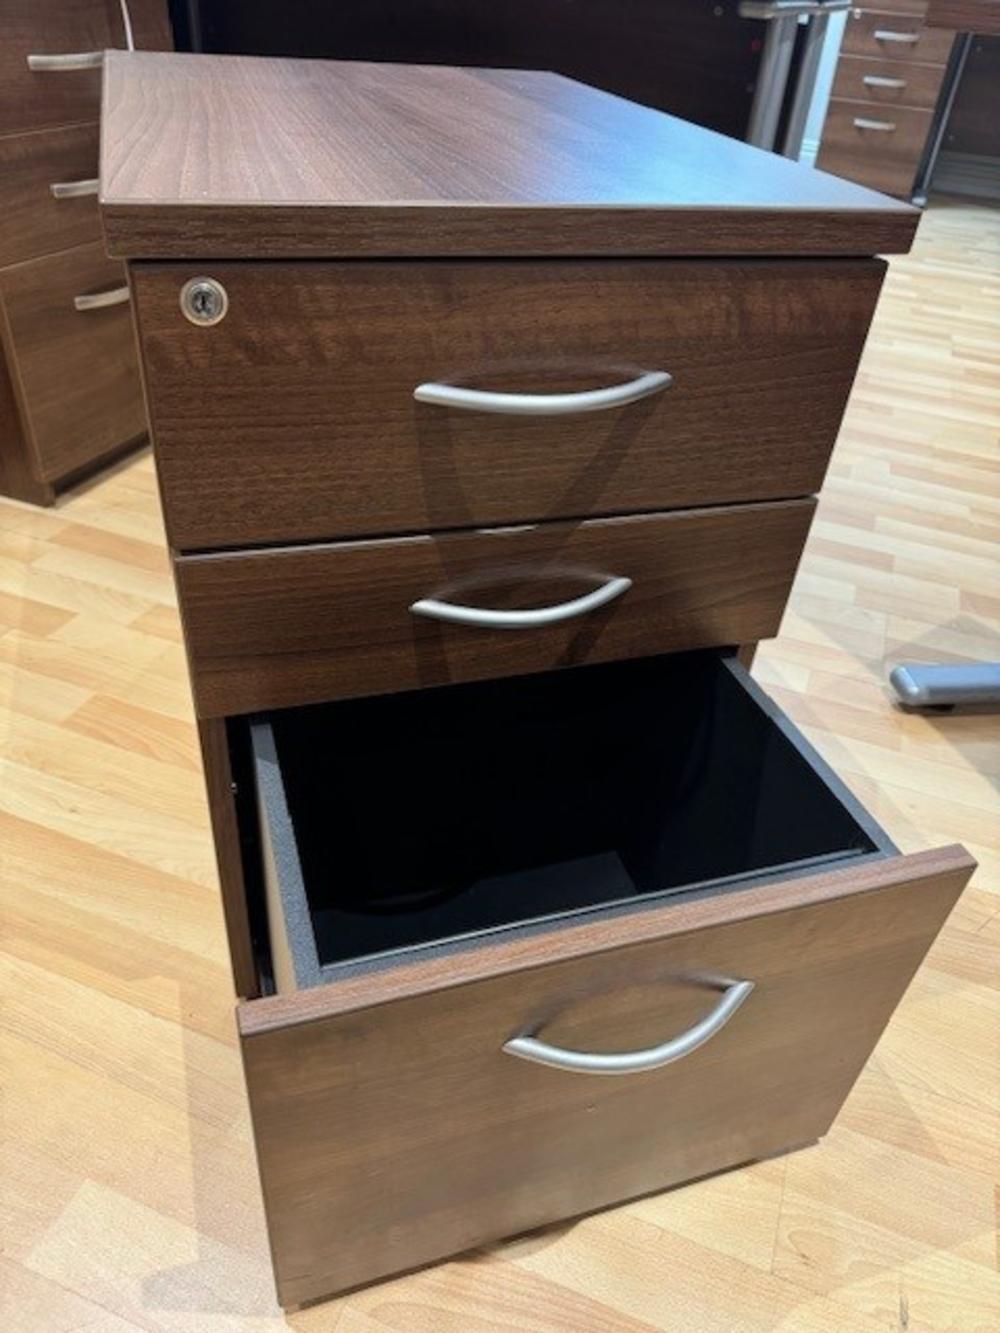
(234, 156)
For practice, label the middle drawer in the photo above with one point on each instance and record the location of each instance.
(293, 417)
(270, 629)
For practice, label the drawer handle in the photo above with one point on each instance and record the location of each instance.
(544, 404)
(101, 300)
(635, 1062)
(74, 189)
(67, 60)
(880, 81)
(544, 615)
(883, 126)
(903, 38)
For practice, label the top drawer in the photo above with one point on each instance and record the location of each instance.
(36, 98)
(294, 417)
(895, 37)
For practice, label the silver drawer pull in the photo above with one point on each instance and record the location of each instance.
(883, 126)
(543, 404)
(74, 189)
(545, 615)
(101, 300)
(67, 60)
(880, 81)
(904, 38)
(634, 1062)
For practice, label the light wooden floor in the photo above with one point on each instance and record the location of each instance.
(129, 1191)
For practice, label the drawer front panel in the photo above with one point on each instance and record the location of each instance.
(393, 1129)
(33, 220)
(75, 371)
(895, 37)
(294, 417)
(880, 147)
(887, 83)
(32, 99)
(270, 629)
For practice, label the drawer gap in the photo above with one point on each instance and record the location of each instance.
(404, 821)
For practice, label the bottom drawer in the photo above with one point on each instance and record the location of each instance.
(74, 366)
(876, 146)
(483, 899)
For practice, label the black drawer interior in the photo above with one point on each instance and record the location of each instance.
(409, 819)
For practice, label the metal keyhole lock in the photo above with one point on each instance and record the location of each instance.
(204, 301)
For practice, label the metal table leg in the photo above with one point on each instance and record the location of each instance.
(922, 686)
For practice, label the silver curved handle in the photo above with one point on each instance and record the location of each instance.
(100, 300)
(883, 126)
(543, 404)
(634, 1062)
(888, 35)
(456, 614)
(66, 60)
(74, 189)
(880, 81)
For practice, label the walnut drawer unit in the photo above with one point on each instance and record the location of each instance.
(895, 36)
(48, 181)
(488, 412)
(70, 387)
(876, 146)
(52, 53)
(70, 346)
(283, 422)
(887, 83)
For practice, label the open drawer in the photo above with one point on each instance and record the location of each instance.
(482, 899)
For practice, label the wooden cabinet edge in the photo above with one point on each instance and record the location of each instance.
(260, 1017)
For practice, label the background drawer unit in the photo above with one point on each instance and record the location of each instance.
(74, 372)
(876, 146)
(450, 1094)
(269, 629)
(294, 417)
(895, 37)
(33, 221)
(888, 83)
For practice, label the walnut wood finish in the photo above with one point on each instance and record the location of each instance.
(886, 159)
(391, 1129)
(269, 629)
(74, 373)
(228, 853)
(980, 16)
(31, 99)
(244, 157)
(921, 83)
(294, 417)
(32, 222)
(18, 471)
(932, 44)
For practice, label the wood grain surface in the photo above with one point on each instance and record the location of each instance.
(982, 16)
(247, 157)
(75, 373)
(267, 629)
(128, 1189)
(932, 45)
(889, 158)
(921, 83)
(400, 1133)
(32, 221)
(294, 417)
